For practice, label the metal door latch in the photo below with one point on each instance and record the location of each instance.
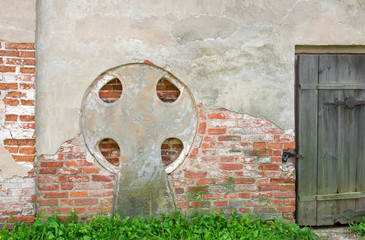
(287, 155)
(348, 103)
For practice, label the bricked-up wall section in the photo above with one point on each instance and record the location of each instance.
(69, 180)
(17, 131)
(236, 165)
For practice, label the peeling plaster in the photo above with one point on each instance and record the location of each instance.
(202, 27)
(8, 166)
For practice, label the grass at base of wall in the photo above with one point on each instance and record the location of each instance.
(173, 226)
(358, 228)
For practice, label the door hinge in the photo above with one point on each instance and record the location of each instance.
(287, 155)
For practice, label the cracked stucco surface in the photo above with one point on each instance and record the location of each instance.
(232, 54)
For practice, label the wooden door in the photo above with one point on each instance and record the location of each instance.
(330, 124)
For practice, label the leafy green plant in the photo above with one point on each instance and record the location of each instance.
(358, 228)
(173, 226)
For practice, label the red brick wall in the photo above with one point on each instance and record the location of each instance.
(68, 181)
(170, 150)
(237, 167)
(17, 67)
(167, 91)
(111, 91)
(110, 150)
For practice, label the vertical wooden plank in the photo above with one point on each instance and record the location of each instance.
(360, 118)
(307, 141)
(327, 139)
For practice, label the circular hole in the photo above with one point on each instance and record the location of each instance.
(110, 150)
(111, 91)
(170, 150)
(166, 91)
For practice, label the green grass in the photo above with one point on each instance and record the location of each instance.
(358, 228)
(174, 226)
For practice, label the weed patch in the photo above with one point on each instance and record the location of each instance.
(358, 228)
(173, 226)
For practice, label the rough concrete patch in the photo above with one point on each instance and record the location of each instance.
(203, 27)
(9, 167)
(341, 233)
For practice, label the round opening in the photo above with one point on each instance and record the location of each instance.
(111, 91)
(110, 150)
(170, 150)
(166, 91)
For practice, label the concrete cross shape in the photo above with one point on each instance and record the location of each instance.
(139, 122)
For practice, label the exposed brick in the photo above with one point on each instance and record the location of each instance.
(84, 163)
(216, 116)
(284, 194)
(79, 194)
(78, 178)
(93, 210)
(70, 163)
(286, 209)
(206, 181)
(9, 53)
(56, 195)
(287, 187)
(202, 128)
(259, 145)
(90, 170)
(27, 118)
(289, 201)
(221, 204)
(19, 46)
(289, 145)
(27, 150)
(229, 138)
(281, 180)
(182, 204)
(52, 179)
(7, 69)
(28, 54)
(244, 180)
(52, 164)
(103, 178)
(244, 195)
(47, 171)
(52, 187)
(268, 187)
(66, 202)
(11, 101)
(275, 145)
(268, 167)
(11, 118)
(67, 186)
(231, 166)
(217, 131)
(195, 174)
(23, 158)
(275, 202)
(101, 194)
(86, 201)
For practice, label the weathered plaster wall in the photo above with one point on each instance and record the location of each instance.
(234, 54)
(17, 20)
